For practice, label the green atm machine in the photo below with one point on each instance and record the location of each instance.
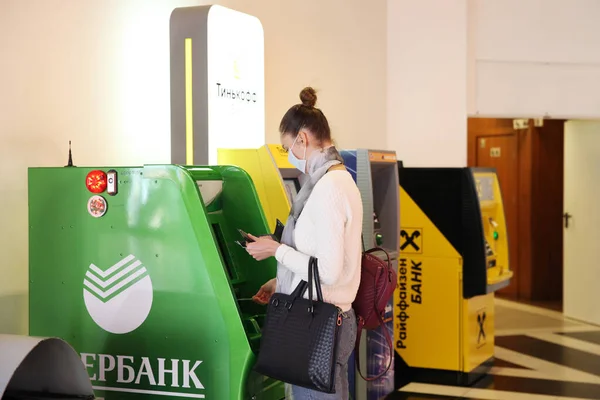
(139, 269)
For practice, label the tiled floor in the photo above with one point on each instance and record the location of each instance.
(540, 355)
(556, 305)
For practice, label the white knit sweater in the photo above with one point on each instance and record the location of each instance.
(329, 228)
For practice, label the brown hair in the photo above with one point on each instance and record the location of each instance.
(306, 116)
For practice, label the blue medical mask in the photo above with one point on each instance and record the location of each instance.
(300, 164)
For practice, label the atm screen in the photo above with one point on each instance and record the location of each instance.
(223, 249)
(209, 190)
(292, 186)
(485, 187)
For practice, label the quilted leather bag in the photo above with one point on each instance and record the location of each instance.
(377, 284)
(299, 337)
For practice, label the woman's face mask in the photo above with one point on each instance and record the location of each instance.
(300, 164)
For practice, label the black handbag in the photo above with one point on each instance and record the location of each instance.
(299, 337)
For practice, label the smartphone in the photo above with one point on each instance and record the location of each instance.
(245, 236)
(278, 230)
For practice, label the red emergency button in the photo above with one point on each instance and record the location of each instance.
(96, 181)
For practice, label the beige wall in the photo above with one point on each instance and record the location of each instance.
(512, 58)
(427, 82)
(397, 74)
(97, 72)
(535, 58)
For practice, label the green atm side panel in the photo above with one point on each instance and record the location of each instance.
(155, 294)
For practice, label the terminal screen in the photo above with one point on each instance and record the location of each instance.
(292, 186)
(223, 250)
(485, 187)
(209, 190)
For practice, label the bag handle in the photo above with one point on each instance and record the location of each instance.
(313, 279)
(373, 249)
(384, 251)
(317, 280)
(361, 323)
(300, 290)
(310, 286)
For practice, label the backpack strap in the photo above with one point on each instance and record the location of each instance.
(384, 328)
(337, 167)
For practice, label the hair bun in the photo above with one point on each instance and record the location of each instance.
(308, 96)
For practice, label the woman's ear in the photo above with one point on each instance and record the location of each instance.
(303, 137)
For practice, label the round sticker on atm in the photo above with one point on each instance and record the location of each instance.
(97, 206)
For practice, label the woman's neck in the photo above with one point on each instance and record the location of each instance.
(321, 156)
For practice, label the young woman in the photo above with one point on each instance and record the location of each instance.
(325, 222)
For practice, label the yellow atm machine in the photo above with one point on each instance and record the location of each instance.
(453, 257)
(276, 180)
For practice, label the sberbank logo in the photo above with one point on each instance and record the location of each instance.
(118, 298)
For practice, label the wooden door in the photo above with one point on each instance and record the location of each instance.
(501, 153)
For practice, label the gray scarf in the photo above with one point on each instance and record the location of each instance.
(316, 166)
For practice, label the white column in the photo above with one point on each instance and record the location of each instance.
(427, 82)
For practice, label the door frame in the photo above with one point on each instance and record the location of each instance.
(482, 128)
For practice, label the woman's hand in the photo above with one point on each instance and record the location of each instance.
(262, 247)
(265, 292)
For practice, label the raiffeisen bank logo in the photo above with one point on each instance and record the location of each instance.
(118, 299)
